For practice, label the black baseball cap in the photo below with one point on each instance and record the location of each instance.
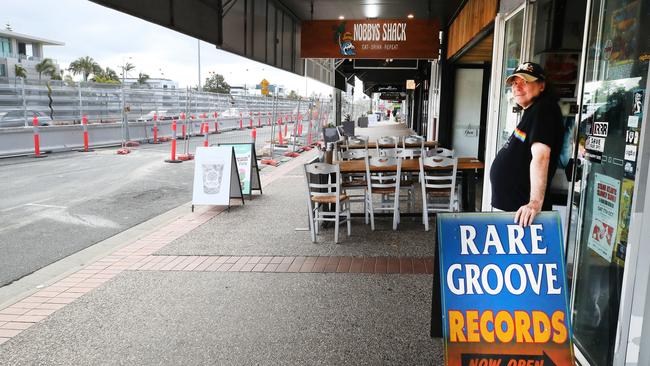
(528, 71)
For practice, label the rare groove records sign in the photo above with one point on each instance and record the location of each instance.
(503, 287)
(370, 39)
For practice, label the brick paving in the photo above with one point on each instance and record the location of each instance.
(139, 256)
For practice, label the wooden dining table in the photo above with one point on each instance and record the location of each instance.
(373, 145)
(468, 167)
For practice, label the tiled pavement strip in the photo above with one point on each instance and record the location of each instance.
(138, 256)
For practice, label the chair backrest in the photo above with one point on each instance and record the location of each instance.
(387, 140)
(438, 174)
(388, 153)
(441, 151)
(412, 140)
(354, 154)
(410, 153)
(383, 172)
(357, 140)
(323, 179)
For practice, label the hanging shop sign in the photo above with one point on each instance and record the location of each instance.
(371, 39)
(503, 289)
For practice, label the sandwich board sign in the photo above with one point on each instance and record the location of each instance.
(216, 179)
(503, 290)
(249, 172)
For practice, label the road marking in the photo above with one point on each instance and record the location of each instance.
(46, 206)
(35, 203)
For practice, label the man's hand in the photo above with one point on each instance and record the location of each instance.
(526, 214)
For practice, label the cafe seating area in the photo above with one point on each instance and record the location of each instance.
(392, 174)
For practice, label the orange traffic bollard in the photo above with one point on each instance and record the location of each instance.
(37, 139)
(254, 134)
(155, 128)
(173, 157)
(84, 123)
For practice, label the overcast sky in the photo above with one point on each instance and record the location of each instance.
(111, 37)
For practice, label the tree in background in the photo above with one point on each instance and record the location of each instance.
(293, 95)
(46, 67)
(106, 76)
(126, 68)
(20, 72)
(84, 66)
(216, 84)
(142, 79)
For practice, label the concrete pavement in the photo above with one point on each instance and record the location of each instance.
(232, 288)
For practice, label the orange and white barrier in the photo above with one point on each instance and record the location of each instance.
(37, 138)
(173, 152)
(84, 124)
(155, 128)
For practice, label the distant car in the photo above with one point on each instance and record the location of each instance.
(230, 113)
(16, 118)
(162, 116)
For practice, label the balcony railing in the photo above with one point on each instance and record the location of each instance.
(21, 57)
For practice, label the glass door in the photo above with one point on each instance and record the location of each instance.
(508, 116)
(609, 130)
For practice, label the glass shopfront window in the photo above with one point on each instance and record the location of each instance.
(511, 58)
(618, 50)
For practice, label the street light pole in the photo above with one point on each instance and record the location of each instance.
(199, 51)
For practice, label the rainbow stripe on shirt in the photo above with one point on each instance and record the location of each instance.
(519, 134)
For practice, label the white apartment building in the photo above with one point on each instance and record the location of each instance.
(17, 48)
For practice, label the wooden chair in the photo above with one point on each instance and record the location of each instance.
(355, 181)
(323, 195)
(387, 184)
(386, 140)
(438, 177)
(441, 151)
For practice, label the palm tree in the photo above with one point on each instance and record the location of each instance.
(46, 67)
(106, 75)
(20, 72)
(84, 66)
(126, 68)
(142, 79)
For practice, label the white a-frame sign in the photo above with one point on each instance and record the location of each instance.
(216, 179)
(249, 172)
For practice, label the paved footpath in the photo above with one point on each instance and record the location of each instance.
(239, 287)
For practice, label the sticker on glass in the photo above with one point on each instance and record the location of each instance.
(633, 121)
(595, 143)
(600, 129)
(630, 152)
(637, 104)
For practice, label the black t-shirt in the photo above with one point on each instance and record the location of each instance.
(510, 171)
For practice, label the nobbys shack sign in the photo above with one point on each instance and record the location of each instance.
(370, 39)
(503, 291)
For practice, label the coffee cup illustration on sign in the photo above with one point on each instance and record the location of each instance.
(212, 174)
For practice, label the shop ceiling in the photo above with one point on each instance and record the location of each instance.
(249, 27)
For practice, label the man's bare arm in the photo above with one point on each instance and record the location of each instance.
(538, 177)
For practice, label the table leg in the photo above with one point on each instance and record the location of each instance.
(469, 190)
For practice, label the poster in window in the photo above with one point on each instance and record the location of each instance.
(604, 221)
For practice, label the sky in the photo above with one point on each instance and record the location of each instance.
(112, 38)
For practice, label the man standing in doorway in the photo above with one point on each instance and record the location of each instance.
(524, 167)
